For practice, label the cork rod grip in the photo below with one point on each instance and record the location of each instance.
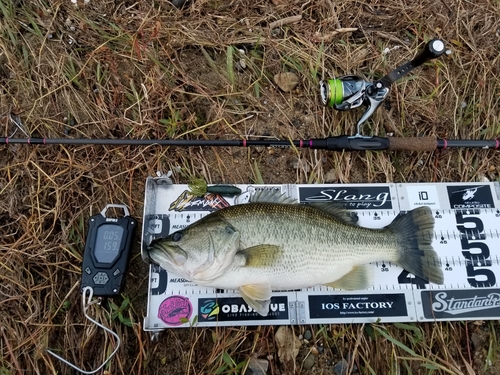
(413, 143)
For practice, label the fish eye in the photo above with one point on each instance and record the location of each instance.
(177, 236)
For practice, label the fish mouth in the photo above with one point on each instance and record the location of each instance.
(151, 253)
(162, 257)
(158, 254)
(166, 255)
(149, 250)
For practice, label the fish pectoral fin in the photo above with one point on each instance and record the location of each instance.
(261, 255)
(258, 297)
(337, 211)
(259, 292)
(360, 277)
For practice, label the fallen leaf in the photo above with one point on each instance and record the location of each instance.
(288, 344)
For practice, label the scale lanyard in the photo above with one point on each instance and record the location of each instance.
(87, 294)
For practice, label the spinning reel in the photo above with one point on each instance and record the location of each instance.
(351, 91)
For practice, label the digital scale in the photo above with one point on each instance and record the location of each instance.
(466, 239)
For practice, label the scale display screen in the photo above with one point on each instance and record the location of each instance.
(108, 243)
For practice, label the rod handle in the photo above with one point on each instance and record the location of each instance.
(348, 143)
(412, 143)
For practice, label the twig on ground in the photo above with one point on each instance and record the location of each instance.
(285, 21)
(9, 349)
(329, 37)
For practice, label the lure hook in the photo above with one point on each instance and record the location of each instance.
(86, 303)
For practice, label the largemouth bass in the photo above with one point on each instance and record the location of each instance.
(274, 243)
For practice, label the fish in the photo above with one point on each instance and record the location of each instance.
(275, 243)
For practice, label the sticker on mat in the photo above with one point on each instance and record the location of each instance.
(477, 303)
(357, 305)
(470, 196)
(423, 195)
(233, 309)
(209, 310)
(175, 308)
(350, 197)
(188, 202)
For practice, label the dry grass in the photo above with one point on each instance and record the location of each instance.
(148, 70)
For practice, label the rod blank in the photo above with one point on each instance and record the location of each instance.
(340, 143)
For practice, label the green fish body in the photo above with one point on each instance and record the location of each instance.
(275, 244)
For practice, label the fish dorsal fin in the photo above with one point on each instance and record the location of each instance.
(337, 211)
(360, 277)
(260, 255)
(274, 195)
(258, 297)
(271, 195)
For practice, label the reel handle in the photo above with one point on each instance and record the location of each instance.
(433, 49)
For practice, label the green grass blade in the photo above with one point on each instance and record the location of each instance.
(396, 342)
(257, 174)
(210, 61)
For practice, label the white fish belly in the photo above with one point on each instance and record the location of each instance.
(304, 267)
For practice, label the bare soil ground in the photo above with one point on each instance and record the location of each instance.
(145, 69)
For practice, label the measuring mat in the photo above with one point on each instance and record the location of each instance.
(466, 239)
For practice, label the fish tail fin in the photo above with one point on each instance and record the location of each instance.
(414, 232)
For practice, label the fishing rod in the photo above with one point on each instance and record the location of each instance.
(344, 93)
(339, 143)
